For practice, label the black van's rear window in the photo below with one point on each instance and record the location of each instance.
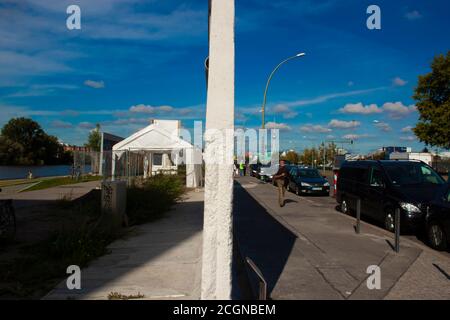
(408, 173)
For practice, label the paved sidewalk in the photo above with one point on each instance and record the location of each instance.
(161, 260)
(37, 197)
(308, 250)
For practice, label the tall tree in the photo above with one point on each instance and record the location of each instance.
(94, 138)
(23, 142)
(433, 103)
(292, 157)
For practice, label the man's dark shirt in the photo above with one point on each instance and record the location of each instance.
(282, 170)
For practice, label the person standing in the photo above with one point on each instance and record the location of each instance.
(281, 181)
(241, 169)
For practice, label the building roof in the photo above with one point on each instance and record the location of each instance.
(153, 137)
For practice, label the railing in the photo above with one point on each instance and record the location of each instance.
(396, 246)
(262, 294)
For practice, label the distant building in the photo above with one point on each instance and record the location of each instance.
(421, 156)
(72, 148)
(444, 155)
(388, 150)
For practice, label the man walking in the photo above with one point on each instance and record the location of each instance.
(281, 180)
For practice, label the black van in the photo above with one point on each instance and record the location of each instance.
(386, 185)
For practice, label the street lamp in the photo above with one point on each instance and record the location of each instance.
(298, 55)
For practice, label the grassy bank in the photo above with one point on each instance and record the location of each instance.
(81, 234)
(60, 181)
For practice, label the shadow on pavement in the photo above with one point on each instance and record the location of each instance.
(260, 237)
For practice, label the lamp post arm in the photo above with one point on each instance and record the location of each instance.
(267, 85)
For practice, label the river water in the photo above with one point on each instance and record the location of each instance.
(21, 172)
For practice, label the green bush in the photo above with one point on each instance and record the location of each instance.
(155, 196)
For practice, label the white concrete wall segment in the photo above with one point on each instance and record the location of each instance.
(114, 199)
(217, 232)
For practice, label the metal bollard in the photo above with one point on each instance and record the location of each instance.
(358, 215)
(262, 281)
(397, 230)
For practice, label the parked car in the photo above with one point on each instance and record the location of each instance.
(254, 170)
(438, 220)
(307, 181)
(266, 173)
(385, 185)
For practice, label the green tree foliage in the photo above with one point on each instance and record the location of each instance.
(433, 103)
(316, 156)
(94, 139)
(291, 156)
(23, 142)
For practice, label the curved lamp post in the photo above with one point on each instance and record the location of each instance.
(268, 82)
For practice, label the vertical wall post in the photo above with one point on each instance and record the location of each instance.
(397, 230)
(358, 215)
(219, 138)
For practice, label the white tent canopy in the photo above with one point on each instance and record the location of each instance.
(161, 150)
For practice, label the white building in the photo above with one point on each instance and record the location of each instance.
(154, 149)
(422, 156)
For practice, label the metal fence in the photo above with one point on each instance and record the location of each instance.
(85, 162)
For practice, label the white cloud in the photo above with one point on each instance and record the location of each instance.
(86, 125)
(340, 124)
(95, 84)
(61, 124)
(286, 112)
(276, 125)
(21, 65)
(314, 128)
(398, 109)
(398, 82)
(359, 108)
(11, 111)
(407, 129)
(126, 122)
(394, 109)
(191, 112)
(354, 136)
(413, 15)
(38, 90)
(327, 97)
(141, 108)
(408, 138)
(151, 26)
(383, 126)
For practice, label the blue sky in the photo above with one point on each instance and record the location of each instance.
(134, 60)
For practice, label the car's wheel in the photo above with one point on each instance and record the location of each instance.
(344, 206)
(389, 220)
(437, 238)
(297, 190)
